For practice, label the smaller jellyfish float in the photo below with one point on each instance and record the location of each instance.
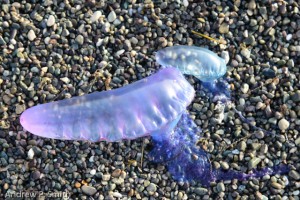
(154, 106)
(200, 62)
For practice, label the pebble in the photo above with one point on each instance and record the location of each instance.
(245, 88)
(151, 188)
(221, 187)
(226, 57)
(201, 191)
(93, 172)
(283, 124)
(253, 162)
(31, 35)
(20, 108)
(296, 96)
(89, 190)
(79, 39)
(294, 174)
(246, 52)
(96, 15)
(30, 153)
(50, 21)
(224, 28)
(36, 175)
(112, 16)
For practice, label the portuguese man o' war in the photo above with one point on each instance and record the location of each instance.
(154, 106)
(145, 107)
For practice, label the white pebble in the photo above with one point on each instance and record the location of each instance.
(96, 16)
(289, 37)
(31, 35)
(225, 55)
(245, 88)
(93, 172)
(51, 21)
(283, 124)
(30, 153)
(185, 3)
(236, 152)
(65, 80)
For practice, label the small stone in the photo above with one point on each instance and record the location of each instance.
(294, 174)
(246, 52)
(253, 162)
(116, 173)
(200, 191)
(224, 28)
(51, 20)
(245, 88)
(112, 16)
(6, 186)
(65, 80)
(96, 15)
(93, 172)
(30, 153)
(252, 5)
(88, 190)
(283, 124)
(221, 187)
(289, 37)
(106, 177)
(36, 175)
(296, 96)
(77, 185)
(79, 39)
(224, 165)
(185, 3)
(276, 185)
(151, 188)
(269, 73)
(270, 23)
(31, 35)
(225, 55)
(250, 40)
(2, 41)
(20, 108)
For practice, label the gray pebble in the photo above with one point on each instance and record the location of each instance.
(151, 188)
(79, 39)
(294, 174)
(253, 162)
(221, 187)
(200, 191)
(89, 190)
(296, 96)
(112, 16)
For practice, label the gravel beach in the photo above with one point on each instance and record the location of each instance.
(52, 50)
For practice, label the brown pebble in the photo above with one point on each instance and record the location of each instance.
(116, 173)
(6, 186)
(77, 185)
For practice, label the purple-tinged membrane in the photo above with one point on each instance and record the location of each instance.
(186, 161)
(146, 107)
